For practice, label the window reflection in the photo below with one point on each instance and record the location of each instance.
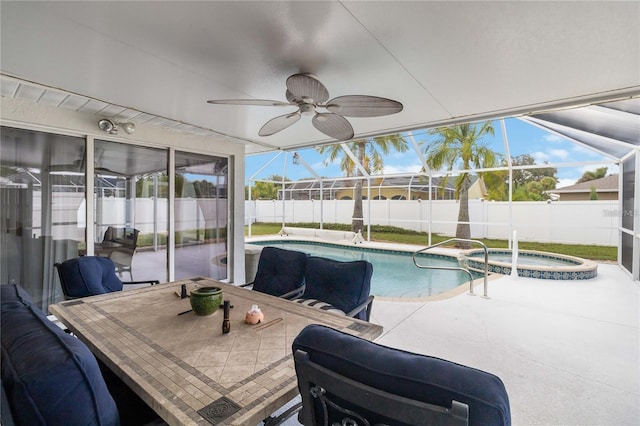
(131, 209)
(201, 207)
(42, 194)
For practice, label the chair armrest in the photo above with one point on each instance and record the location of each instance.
(293, 293)
(246, 285)
(367, 304)
(152, 282)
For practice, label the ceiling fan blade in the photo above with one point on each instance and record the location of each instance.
(292, 98)
(363, 106)
(333, 125)
(308, 88)
(279, 123)
(254, 102)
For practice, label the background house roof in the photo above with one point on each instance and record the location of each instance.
(605, 184)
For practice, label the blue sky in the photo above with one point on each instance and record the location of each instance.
(523, 138)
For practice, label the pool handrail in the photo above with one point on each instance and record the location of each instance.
(459, 268)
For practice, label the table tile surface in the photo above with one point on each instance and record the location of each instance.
(180, 364)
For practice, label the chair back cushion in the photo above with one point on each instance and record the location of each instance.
(344, 285)
(49, 377)
(109, 234)
(419, 377)
(87, 276)
(279, 271)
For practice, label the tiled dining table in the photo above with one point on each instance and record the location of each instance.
(183, 366)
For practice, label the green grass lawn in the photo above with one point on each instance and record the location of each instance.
(403, 236)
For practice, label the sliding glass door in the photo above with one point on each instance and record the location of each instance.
(42, 202)
(43, 209)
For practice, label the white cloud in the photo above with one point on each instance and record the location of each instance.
(565, 182)
(579, 149)
(550, 137)
(540, 156)
(550, 155)
(559, 153)
(402, 168)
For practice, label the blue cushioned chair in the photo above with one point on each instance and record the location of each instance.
(336, 286)
(338, 372)
(90, 275)
(280, 272)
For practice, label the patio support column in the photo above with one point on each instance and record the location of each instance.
(636, 221)
(250, 209)
(284, 190)
(155, 212)
(171, 237)
(90, 229)
(509, 164)
(369, 209)
(321, 203)
(430, 209)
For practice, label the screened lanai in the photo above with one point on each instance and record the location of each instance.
(612, 130)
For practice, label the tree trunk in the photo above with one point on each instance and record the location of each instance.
(463, 230)
(357, 223)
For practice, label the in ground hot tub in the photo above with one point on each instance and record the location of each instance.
(535, 264)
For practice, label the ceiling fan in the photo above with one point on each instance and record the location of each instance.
(312, 98)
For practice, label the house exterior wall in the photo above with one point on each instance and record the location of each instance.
(28, 115)
(582, 196)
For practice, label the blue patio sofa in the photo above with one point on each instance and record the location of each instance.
(48, 376)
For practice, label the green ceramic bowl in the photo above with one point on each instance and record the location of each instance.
(205, 300)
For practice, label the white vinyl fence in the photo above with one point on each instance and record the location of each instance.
(570, 222)
(69, 219)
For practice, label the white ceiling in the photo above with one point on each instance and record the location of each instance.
(447, 62)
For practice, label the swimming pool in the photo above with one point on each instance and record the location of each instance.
(394, 274)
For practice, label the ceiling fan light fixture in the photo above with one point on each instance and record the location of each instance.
(307, 109)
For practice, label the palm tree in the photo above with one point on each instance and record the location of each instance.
(461, 146)
(369, 153)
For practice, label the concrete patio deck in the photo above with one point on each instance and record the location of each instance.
(567, 351)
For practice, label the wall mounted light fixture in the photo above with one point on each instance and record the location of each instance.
(111, 127)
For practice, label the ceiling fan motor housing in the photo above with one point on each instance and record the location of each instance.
(307, 109)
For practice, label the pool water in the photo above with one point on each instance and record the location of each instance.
(394, 274)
